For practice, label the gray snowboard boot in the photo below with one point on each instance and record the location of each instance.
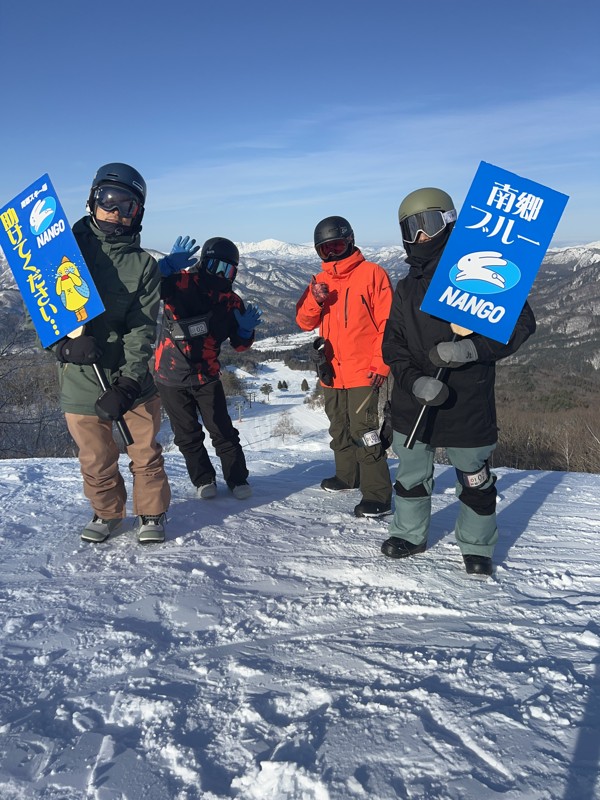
(151, 528)
(98, 530)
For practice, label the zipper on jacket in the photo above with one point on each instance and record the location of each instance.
(366, 305)
(346, 308)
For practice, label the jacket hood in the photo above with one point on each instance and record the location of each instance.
(338, 269)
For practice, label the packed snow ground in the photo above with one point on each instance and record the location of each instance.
(268, 651)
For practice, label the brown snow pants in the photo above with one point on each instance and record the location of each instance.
(103, 484)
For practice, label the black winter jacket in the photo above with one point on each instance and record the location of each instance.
(468, 417)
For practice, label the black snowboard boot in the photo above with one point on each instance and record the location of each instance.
(335, 484)
(371, 508)
(395, 547)
(478, 565)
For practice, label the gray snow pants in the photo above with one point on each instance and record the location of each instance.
(476, 530)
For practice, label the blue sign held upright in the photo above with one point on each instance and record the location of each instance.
(47, 263)
(494, 252)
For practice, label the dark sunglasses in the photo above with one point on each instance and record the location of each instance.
(217, 267)
(111, 198)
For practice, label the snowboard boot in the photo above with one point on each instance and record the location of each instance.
(242, 491)
(478, 565)
(98, 530)
(372, 508)
(395, 547)
(207, 491)
(335, 484)
(151, 528)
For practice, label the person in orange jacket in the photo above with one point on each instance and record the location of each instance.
(349, 301)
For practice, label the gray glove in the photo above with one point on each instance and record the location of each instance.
(453, 354)
(430, 391)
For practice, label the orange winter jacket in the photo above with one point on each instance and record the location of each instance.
(352, 319)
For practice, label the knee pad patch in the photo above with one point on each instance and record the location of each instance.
(481, 501)
(473, 480)
(417, 491)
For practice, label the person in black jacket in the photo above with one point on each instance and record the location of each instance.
(462, 414)
(201, 311)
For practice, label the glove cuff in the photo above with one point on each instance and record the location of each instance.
(58, 352)
(165, 267)
(130, 383)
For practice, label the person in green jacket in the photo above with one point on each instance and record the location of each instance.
(119, 341)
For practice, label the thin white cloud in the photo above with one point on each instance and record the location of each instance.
(370, 158)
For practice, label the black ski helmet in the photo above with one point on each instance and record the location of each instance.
(330, 229)
(221, 249)
(220, 256)
(121, 175)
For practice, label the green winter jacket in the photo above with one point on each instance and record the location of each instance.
(128, 281)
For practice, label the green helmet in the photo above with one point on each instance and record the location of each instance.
(428, 210)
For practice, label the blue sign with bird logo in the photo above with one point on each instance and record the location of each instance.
(494, 252)
(47, 263)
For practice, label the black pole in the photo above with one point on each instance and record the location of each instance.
(411, 438)
(120, 423)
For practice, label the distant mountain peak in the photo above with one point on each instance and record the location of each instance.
(276, 247)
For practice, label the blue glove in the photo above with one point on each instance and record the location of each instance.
(180, 257)
(248, 321)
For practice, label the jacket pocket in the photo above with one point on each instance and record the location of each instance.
(369, 312)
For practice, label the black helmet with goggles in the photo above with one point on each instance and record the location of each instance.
(220, 256)
(119, 187)
(334, 239)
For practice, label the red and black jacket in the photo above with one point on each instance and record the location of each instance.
(198, 317)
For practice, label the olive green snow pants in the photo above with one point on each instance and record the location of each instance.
(358, 464)
(476, 530)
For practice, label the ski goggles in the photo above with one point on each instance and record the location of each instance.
(428, 222)
(117, 198)
(335, 247)
(217, 267)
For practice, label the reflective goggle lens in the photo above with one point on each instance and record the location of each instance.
(335, 247)
(428, 222)
(110, 198)
(217, 267)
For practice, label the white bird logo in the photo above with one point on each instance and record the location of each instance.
(477, 267)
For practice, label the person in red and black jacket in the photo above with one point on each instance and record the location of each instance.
(201, 311)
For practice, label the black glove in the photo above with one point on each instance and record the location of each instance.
(324, 368)
(453, 354)
(81, 350)
(118, 398)
(430, 391)
(386, 434)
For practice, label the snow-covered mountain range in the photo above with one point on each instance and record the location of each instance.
(565, 296)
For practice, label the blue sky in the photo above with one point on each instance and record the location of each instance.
(255, 120)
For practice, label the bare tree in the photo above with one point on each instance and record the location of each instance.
(285, 426)
(31, 423)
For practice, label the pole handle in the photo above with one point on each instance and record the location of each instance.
(120, 422)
